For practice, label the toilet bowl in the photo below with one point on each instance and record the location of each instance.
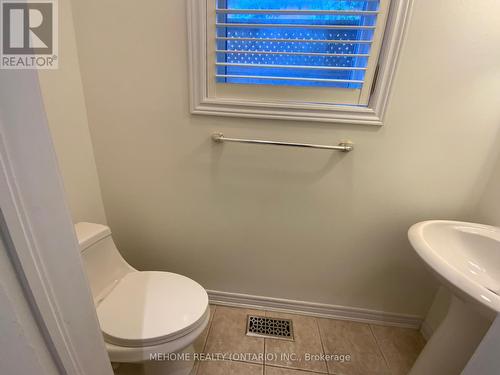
(151, 318)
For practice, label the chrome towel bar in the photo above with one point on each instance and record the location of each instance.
(344, 146)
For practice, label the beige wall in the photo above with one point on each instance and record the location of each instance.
(302, 224)
(65, 106)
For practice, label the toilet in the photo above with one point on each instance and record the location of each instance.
(150, 318)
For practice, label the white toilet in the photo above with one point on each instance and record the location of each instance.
(142, 314)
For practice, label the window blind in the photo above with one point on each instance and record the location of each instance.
(295, 42)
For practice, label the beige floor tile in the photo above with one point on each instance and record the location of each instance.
(229, 368)
(354, 339)
(228, 335)
(199, 344)
(400, 347)
(307, 341)
(269, 370)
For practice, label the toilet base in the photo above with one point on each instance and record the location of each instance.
(182, 364)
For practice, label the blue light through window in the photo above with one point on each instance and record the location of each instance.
(288, 43)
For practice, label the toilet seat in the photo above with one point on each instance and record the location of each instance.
(151, 308)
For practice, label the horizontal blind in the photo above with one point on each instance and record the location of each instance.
(294, 42)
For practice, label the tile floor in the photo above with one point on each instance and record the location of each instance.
(374, 349)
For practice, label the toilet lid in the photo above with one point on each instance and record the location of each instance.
(150, 308)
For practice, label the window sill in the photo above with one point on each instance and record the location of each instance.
(316, 113)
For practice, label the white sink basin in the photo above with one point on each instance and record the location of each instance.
(466, 258)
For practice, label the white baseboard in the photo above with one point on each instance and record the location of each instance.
(314, 309)
(426, 330)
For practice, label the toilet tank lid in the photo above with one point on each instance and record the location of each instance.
(89, 233)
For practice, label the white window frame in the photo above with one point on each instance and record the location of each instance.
(203, 101)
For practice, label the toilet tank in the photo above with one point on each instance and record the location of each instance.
(103, 262)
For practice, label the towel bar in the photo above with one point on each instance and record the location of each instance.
(344, 146)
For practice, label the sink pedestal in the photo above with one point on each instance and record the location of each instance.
(451, 346)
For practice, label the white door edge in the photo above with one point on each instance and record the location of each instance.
(38, 224)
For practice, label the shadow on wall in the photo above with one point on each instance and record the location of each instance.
(488, 208)
(285, 167)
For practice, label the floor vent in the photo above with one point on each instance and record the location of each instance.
(260, 326)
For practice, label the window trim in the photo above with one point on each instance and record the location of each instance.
(201, 103)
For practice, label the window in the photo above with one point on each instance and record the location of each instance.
(294, 59)
(309, 43)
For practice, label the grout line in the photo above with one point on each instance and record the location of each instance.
(297, 369)
(322, 344)
(242, 361)
(209, 328)
(206, 338)
(265, 348)
(196, 368)
(380, 348)
(264, 361)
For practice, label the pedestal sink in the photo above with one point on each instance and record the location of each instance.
(466, 259)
